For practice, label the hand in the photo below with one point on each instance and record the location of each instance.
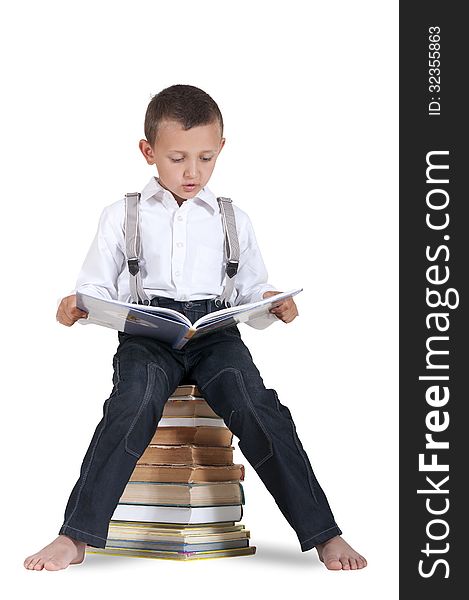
(68, 313)
(286, 311)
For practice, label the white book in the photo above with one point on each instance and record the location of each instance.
(166, 324)
(190, 422)
(177, 514)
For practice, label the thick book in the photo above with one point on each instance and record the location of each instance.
(197, 407)
(191, 422)
(177, 514)
(166, 324)
(187, 390)
(183, 494)
(187, 454)
(202, 436)
(187, 473)
(173, 555)
(177, 533)
(175, 547)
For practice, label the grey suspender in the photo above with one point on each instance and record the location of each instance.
(231, 247)
(133, 248)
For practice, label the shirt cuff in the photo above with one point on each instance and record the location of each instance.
(265, 320)
(260, 291)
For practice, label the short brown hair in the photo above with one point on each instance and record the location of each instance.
(188, 105)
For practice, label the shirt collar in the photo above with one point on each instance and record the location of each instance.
(156, 190)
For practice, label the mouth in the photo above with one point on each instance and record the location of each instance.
(189, 186)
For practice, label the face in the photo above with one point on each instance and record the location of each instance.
(184, 159)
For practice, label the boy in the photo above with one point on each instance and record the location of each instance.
(184, 136)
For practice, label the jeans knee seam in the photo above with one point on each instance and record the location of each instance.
(240, 380)
(230, 417)
(226, 369)
(295, 438)
(239, 377)
(151, 369)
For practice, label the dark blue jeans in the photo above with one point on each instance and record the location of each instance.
(146, 373)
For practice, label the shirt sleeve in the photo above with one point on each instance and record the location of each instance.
(103, 263)
(251, 280)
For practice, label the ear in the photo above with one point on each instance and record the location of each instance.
(147, 151)
(222, 143)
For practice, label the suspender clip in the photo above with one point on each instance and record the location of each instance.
(133, 266)
(232, 268)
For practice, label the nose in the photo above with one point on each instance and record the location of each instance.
(191, 170)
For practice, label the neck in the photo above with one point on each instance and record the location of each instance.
(178, 199)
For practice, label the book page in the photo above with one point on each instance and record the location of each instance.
(163, 323)
(242, 313)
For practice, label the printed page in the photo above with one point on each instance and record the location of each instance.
(164, 324)
(240, 314)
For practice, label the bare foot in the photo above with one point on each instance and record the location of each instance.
(336, 554)
(63, 551)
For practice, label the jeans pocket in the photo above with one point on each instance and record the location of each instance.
(142, 428)
(254, 440)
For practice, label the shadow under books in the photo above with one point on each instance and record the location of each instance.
(269, 553)
(266, 554)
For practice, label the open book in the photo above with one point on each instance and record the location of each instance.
(169, 325)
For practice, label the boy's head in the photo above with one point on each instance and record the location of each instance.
(184, 136)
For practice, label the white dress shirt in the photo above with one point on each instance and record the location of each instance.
(182, 252)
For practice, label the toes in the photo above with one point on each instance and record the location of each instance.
(333, 564)
(353, 563)
(345, 564)
(361, 562)
(52, 566)
(39, 564)
(32, 561)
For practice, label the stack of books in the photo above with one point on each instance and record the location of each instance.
(184, 498)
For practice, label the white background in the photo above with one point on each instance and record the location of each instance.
(308, 92)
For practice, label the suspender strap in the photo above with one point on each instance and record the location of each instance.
(231, 246)
(133, 248)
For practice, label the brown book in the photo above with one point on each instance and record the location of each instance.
(183, 494)
(188, 534)
(187, 390)
(187, 474)
(201, 436)
(187, 455)
(197, 407)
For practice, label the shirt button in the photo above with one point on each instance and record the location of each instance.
(179, 244)
(180, 217)
(177, 273)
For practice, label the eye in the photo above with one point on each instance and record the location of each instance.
(204, 159)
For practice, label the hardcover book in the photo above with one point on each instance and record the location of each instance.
(183, 494)
(177, 514)
(187, 454)
(171, 555)
(202, 436)
(187, 473)
(169, 325)
(182, 407)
